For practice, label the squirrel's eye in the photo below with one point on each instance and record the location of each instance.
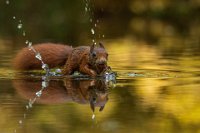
(94, 54)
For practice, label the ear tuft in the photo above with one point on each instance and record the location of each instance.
(92, 48)
(101, 45)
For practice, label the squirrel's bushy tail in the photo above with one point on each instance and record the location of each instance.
(52, 54)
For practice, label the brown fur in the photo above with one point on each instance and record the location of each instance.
(52, 54)
(87, 60)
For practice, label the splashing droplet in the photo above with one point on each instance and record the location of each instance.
(92, 31)
(39, 93)
(29, 44)
(93, 116)
(19, 26)
(24, 33)
(44, 84)
(45, 66)
(7, 2)
(58, 70)
(20, 121)
(86, 9)
(26, 42)
(30, 105)
(38, 56)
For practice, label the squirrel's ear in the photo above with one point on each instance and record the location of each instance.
(91, 48)
(101, 45)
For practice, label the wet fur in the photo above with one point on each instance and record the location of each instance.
(80, 59)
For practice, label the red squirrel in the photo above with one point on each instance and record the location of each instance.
(90, 60)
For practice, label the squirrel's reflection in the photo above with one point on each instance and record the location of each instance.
(93, 92)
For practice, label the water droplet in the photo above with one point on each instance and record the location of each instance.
(86, 9)
(52, 73)
(97, 21)
(45, 66)
(7, 2)
(39, 93)
(58, 70)
(103, 36)
(92, 31)
(44, 84)
(26, 42)
(29, 43)
(14, 17)
(24, 33)
(93, 116)
(19, 26)
(20, 121)
(30, 105)
(90, 20)
(27, 107)
(93, 40)
(131, 74)
(95, 25)
(38, 56)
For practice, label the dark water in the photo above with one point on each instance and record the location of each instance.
(156, 90)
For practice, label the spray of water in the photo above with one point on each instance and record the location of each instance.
(94, 23)
(29, 105)
(20, 27)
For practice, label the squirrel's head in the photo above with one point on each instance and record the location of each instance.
(98, 56)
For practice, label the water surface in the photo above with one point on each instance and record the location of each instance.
(156, 90)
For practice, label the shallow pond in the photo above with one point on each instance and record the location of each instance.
(156, 90)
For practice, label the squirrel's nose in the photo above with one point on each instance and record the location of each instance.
(102, 62)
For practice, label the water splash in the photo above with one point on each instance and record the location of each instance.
(39, 93)
(7, 2)
(38, 56)
(92, 31)
(19, 26)
(93, 116)
(20, 121)
(24, 33)
(44, 84)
